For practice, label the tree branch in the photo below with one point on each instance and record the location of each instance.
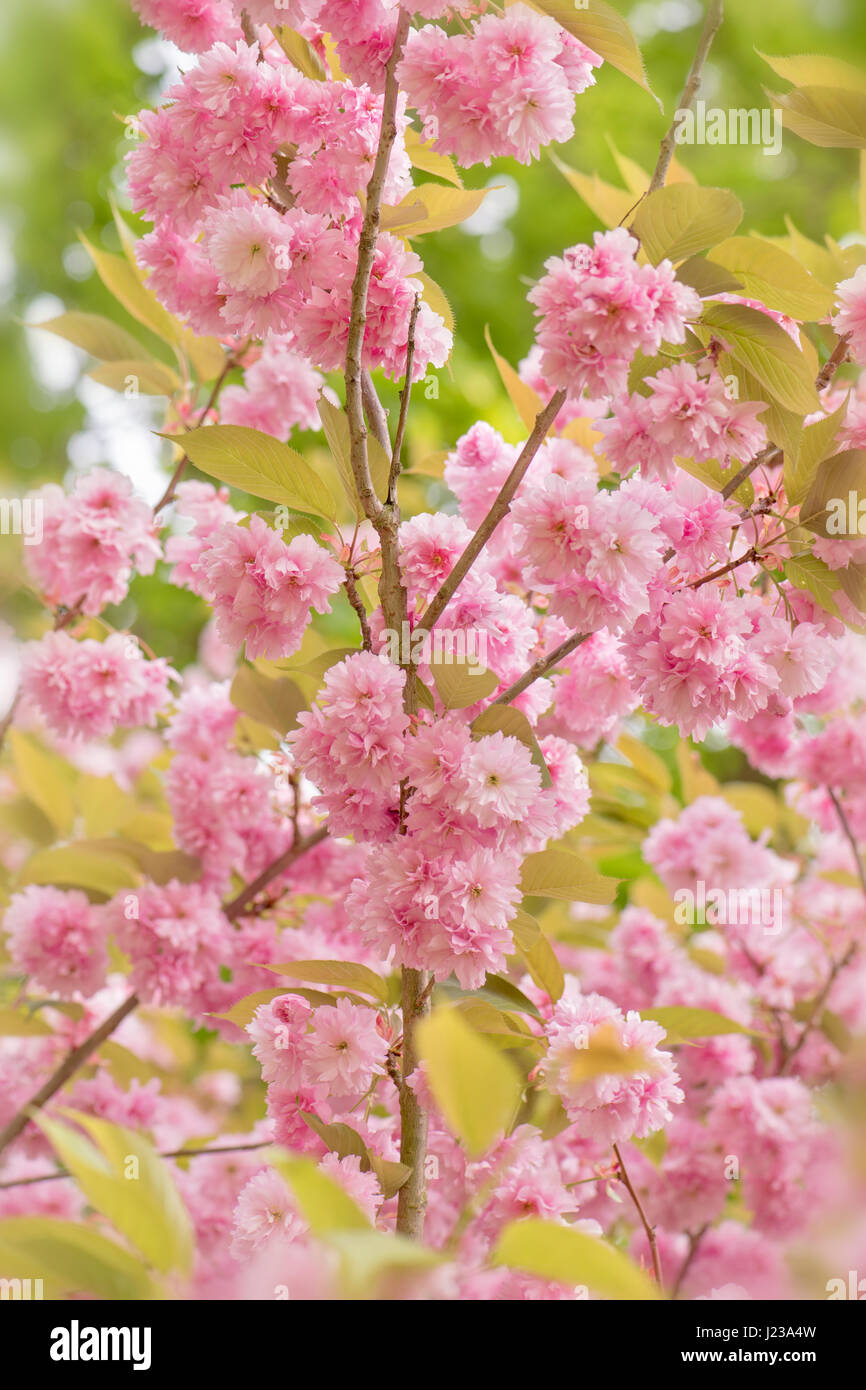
(170, 1153)
(693, 81)
(541, 667)
(833, 363)
(361, 283)
(235, 908)
(351, 586)
(497, 513)
(375, 412)
(404, 403)
(818, 1006)
(650, 1230)
(766, 456)
(168, 496)
(68, 1067)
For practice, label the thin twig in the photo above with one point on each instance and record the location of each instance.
(849, 836)
(767, 456)
(169, 1153)
(377, 416)
(497, 513)
(235, 908)
(396, 462)
(817, 1008)
(68, 1067)
(367, 243)
(541, 667)
(351, 586)
(694, 1241)
(772, 454)
(650, 1230)
(750, 557)
(833, 363)
(168, 496)
(693, 81)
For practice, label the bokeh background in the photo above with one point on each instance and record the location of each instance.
(71, 69)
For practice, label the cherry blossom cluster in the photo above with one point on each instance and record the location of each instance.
(597, 307)
(274, 890)
(505, 88)
(92, 539)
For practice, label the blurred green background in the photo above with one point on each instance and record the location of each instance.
(70, 69)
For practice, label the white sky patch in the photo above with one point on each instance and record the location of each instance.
(670, 16)
(56, 363)
(118, 433)
(7, 262)
(500, 204)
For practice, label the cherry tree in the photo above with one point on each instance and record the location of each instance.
(480, 981)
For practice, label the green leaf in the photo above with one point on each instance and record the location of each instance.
(758, 806)
(836, 1030)
(539, 955)
(815, 443)
(681, 1023)
(525, 400)
(817, 70)
(503, 719)
(695, 780)
(259, 464)
(557, 873)
(475, 1087)
(124, 1178)
(342, 1140)
(707, 278)
(609, 203)
(504, 1029)
(206, 354)
(276, 703)
(299, 52)
(496, 990)
(774, 277)
(159, 865)
(430, 207)
(137, 377)
(336, 428)
(677, 221)
(323, 1203)
(241, 1013)
(424, 156)
(834, 479)
(570, 1257)
(18, 1023)
(121, 280)
(436, 299)
(648, 763)
(78, 866)
(72, 1258)
(458, 683)
(831, 117)
(767, 352)
(346, 973)
(366, 1257)
(96, 335)
(103, 805)
(604, 30)
(45, 778)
